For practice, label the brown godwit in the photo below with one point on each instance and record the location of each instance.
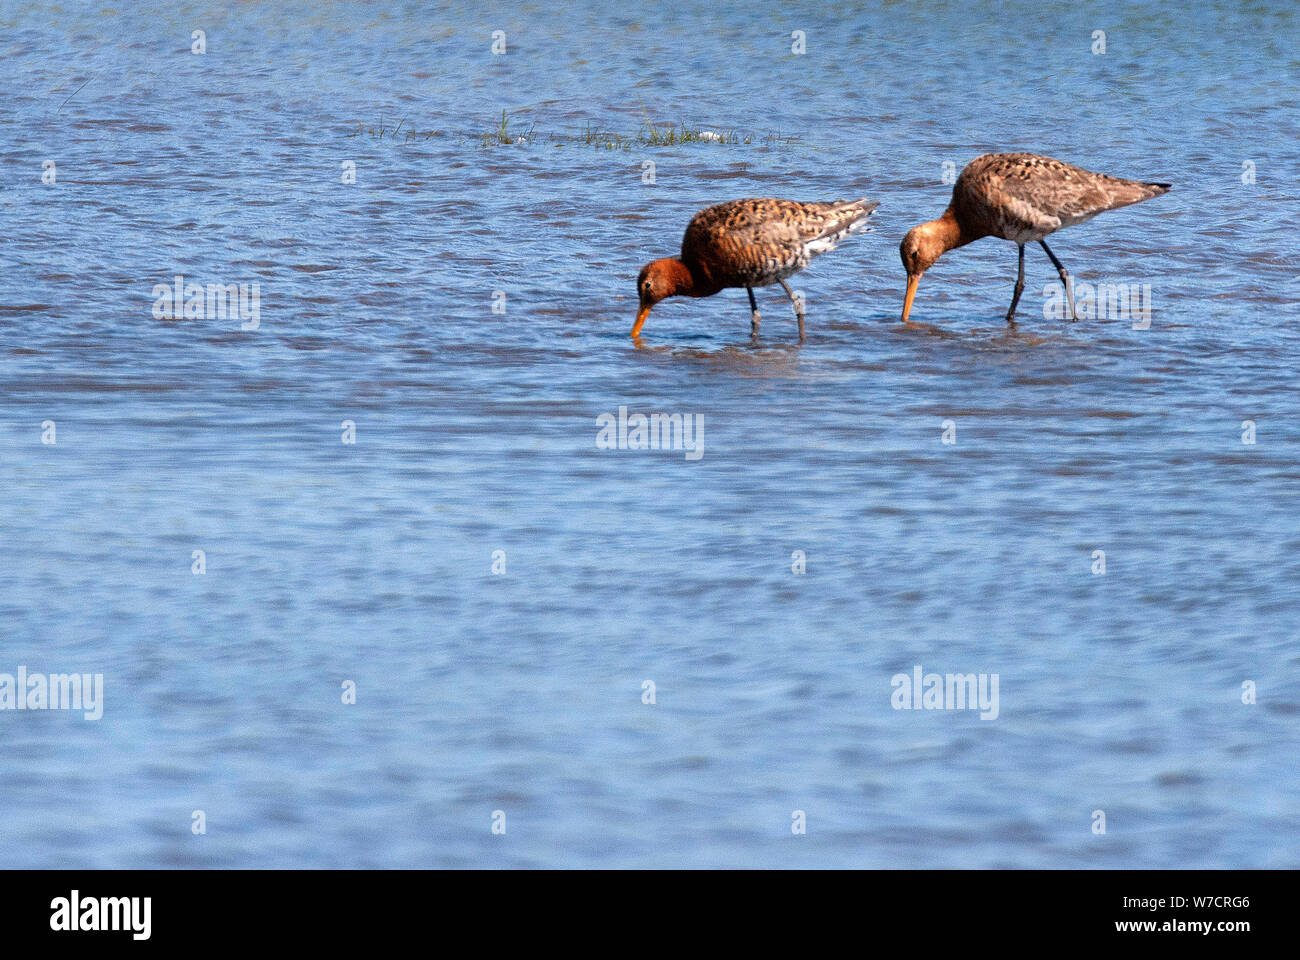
(749, 243)
(1021, 197)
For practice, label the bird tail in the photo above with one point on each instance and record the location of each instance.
(849, 217)
(1120, 193)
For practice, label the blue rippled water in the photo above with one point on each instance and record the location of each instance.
(475, 432)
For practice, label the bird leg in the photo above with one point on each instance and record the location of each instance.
(1065, 278)
(798, 307)
(1020, 286)
(754, 318)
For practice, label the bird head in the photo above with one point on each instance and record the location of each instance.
(658, 279)
(923, 245)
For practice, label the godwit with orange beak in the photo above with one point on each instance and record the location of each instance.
(749, 243)
(1020, 197)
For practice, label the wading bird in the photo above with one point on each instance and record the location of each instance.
(749, 243)
(1020, 197)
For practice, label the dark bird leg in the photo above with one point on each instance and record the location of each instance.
(798, 307)
(1065, 278)
(1020, 286)
(754, 318)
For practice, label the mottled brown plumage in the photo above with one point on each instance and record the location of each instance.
(749, 243)
(1021, 197)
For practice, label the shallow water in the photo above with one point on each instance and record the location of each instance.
(476, 432)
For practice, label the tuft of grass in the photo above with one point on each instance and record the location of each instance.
(382, 132)
(650, 134)
(670, 136)
(603, 139)
(502, 135)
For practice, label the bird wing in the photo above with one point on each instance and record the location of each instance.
(758, 241)
(1040, 194)
(744, 242)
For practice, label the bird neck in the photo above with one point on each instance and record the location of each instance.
(950, 233)
(682, 281)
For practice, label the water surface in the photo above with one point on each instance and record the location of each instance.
(371, 562)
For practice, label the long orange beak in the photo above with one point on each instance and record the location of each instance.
(913, 281)
(640, 320)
